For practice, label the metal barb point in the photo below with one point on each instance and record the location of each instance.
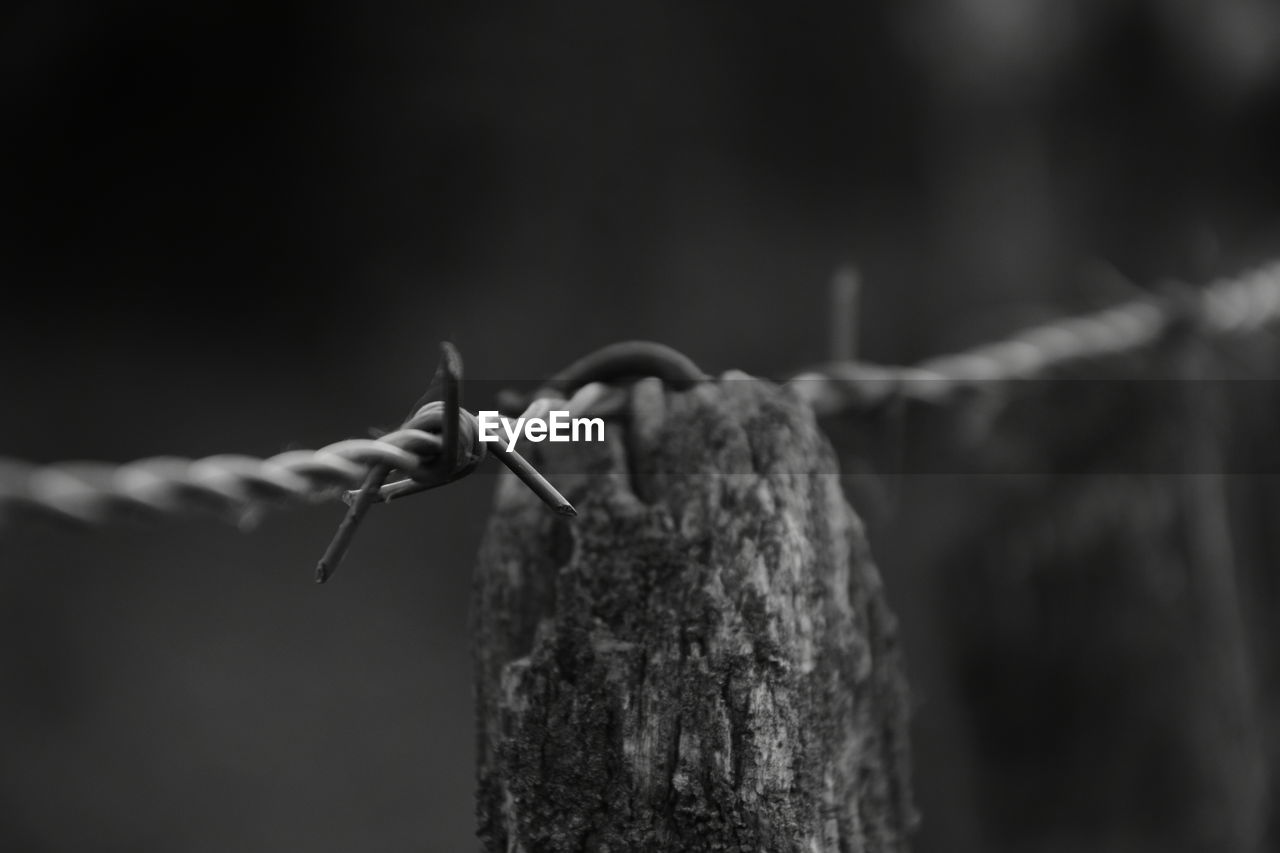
(450, 371)
(351, 521)
(534, 480)
(447, 382)
(846, 286)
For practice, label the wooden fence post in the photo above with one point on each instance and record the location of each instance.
(703, 659)
(1086, 629)
(1253, 460)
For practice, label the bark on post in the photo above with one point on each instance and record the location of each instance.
(703, 659)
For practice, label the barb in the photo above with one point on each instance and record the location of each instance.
(846, 288)
(449, 373)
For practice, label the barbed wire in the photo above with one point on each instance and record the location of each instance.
(235, 485)
(241, 486)
(1227, 306)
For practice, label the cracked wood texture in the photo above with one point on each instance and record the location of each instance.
(703, 659)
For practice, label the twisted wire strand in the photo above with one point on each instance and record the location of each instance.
(96, 493)
(1227, 306)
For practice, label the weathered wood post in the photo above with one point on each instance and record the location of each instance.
(703, 659)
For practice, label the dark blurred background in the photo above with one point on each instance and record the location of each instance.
(243, 227)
